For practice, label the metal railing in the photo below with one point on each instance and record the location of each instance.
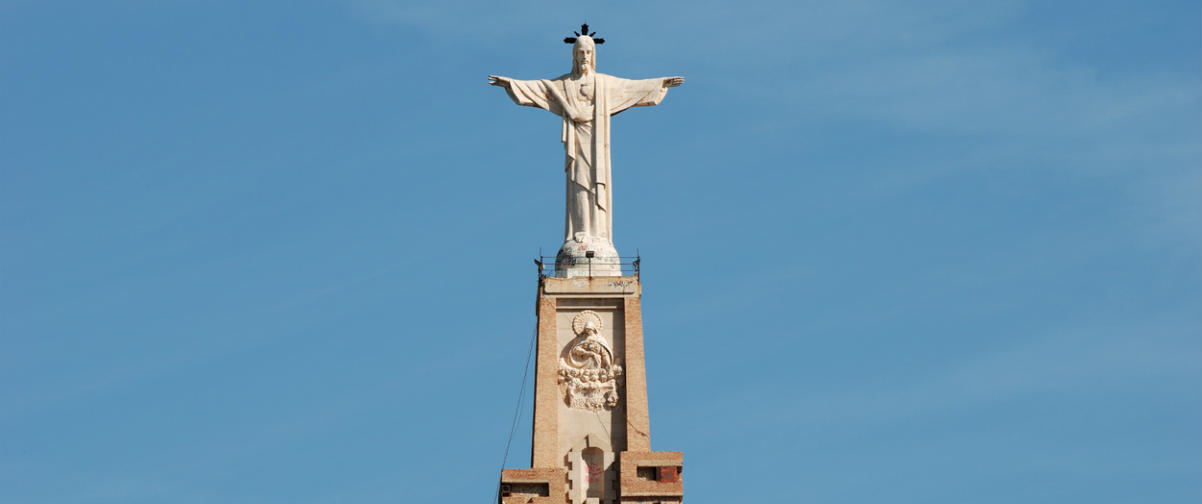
(628, 265)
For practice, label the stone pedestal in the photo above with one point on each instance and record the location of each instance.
(592, 441)
(587, 258)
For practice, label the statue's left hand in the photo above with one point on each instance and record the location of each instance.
(673, 81)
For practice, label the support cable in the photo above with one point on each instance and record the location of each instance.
(517, 409)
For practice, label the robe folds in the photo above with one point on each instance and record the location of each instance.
(585, 138)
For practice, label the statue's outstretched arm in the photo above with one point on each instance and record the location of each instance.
(497, 80)
(527, 93)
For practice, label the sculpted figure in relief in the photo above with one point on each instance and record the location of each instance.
(586, 100)
(587, 367)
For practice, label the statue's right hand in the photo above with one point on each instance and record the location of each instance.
(497, 80)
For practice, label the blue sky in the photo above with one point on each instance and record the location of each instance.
(262, 252)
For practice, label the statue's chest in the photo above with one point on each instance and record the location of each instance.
(584, 90)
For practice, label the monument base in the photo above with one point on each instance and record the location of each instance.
(585, 258)
(586, 452)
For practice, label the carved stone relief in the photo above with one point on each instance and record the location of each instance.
(587, 367)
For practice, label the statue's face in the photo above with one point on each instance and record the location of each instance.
(584, 56)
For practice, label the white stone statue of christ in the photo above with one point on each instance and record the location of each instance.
(585, 100)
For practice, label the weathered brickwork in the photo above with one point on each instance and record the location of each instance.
(590, 331)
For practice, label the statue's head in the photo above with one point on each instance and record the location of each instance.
(584, 50)
(584, 55)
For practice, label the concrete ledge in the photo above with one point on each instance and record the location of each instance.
(613, 286)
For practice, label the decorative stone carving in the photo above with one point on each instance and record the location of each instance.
(587, 366)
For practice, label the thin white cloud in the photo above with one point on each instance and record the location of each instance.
(933, 67)
(1072, 361)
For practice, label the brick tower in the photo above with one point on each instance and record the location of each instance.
(592, 432)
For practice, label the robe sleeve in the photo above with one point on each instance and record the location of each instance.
(535, 93)
(626, 93)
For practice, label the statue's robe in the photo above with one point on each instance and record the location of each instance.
(586, 114)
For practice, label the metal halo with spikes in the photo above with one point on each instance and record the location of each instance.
(584, 30)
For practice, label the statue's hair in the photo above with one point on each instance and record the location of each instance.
(583, 33)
